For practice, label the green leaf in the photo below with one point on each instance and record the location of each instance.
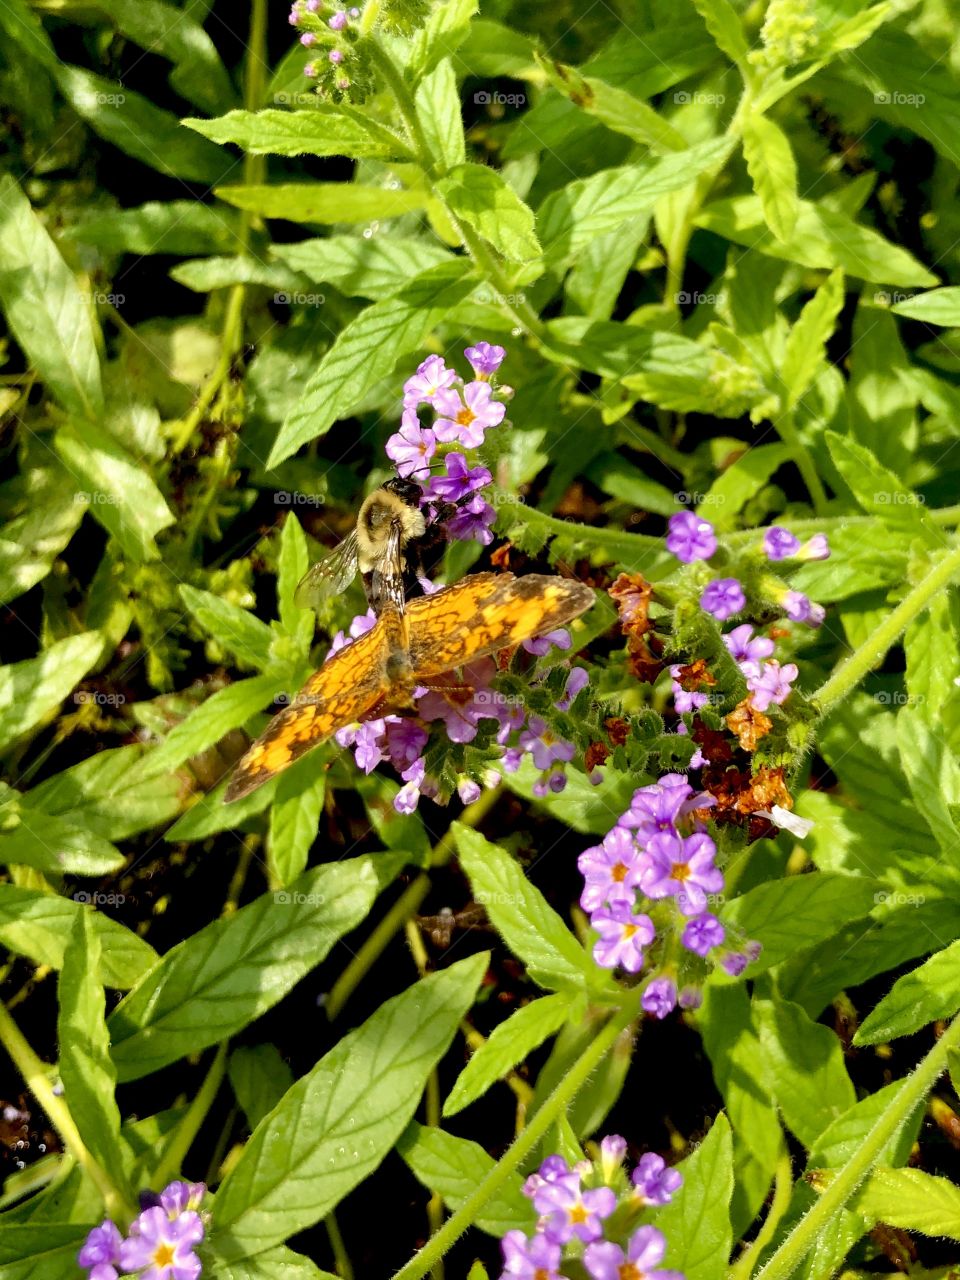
(933, 774)
(723, 23)
(45, 309)
(845, 1136)
(41, 1250)
(619, 110)
(451, 1167)
(224, 710)
(878, 490)
(786, 914)
(209, 814)
(239, 631)
(374, 268)
(259, 1078)
(324, 130)
(337, 1123)
(444, 31)
(89, 1080)
(931, 645)
(366, 351)
(821, 238)
(911, 1200)
(579, 805)
(51, 845)
(741, 481)
(481, 198)
(804, 1068)
(570, 218)
(294, 817)
(203, 275)
(595, 280)
(279, 1263)
(32, 689)
(210, 985)
(37, 925)
(521, 915)
(30, 543)
(172, 226)
(773, 172)
(936, 306)
(438, 110)
(696, 1223)
(292, 564)
(805, 350)
(117, 488)
(928, 993)
(324, 201)
(508, 1046)
(617, 350)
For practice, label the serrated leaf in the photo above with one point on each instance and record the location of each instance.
(338, 1121)
(89, 1080)
(44, 306)
(773, 172)
(912, 1201)
(172, 226)
(324, 201)
(210, 985)
(239, 631)
(374, 268)
(438, 110)
(928, 993)
(521, 915)
(588, 207)
(696, 1223)
(324, 130)
(294, 817)
(933, 775)
(619, 110)
(508, 1045)
(879, 490)
(804, 1068)
(805, 349)
(451, 1167)
(797, 912)
(118, 490)
(366, 350)
(444, 31)
(480, 197)
(37, 925)
(32, 689)
(735, 486)
(723, 23)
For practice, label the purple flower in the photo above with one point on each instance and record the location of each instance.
(335, 55)
(780, 543)
(551, 1170)
(723, 598)
(485, 358)
(660, 997)
(605, 1260)
(612, 1150)
(698, 759)
(312, 6)
(702, 933)
(568, 1212)
(623, 936)
(307, 39)
(800, 608)
(540, 645)
(658, 807)
(655, 1183)
(815, 548)
(459, 479)
(310, 70)
(337, 21)
(473, 520)
(101, 1251)
(422, 387)
(690, 537)
(577, 680)
(412, 447)
(468, 790)
(734, 962)
(461, 718)
(611, 870)
(179, 1196)
(465, 421)
(771, 684)
(405, 740)
(162, 1248)
(690, 998)
(552, 781)
(368, 745)
(294, 16)
(535, 1259)
(408, 797)
(683, 868)
(745, 647)
(543, 744)
(682, 699)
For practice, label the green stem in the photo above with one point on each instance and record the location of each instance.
(852, 670)
(405, 906)
(801, 1239)
(786, 429)
(36, 1076)
(782, 1194)
(341, 1259)
(185, 1132)
(521, 1147)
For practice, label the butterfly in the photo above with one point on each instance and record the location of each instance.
(379, 671)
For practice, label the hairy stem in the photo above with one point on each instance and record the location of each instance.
(185, 1132)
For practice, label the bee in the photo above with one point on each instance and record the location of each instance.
(385, 548)
(405, 649)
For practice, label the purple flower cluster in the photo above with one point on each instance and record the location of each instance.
(462, 415)
(326, 25)
(652, 879)
(576, 1209)
(160, 1244)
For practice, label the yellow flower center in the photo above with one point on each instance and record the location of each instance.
(163, 1255)
(619, 873)
(465, 416)
(680, 871)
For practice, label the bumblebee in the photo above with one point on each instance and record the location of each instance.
(385, 548)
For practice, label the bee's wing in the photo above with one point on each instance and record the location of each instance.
(386, 579)
(329, 576)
